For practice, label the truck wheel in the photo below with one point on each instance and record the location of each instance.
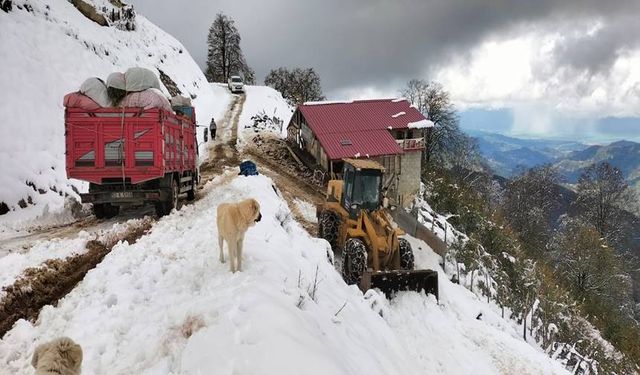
(354, 261)
(406, 254)
(329, 228)
(112, 210)
(99, 210)
(160, 209)
(173, 201)
(191, 194)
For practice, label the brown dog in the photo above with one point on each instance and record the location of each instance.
(61, 356)
(233, 221)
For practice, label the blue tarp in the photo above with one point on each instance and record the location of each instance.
(248, 168)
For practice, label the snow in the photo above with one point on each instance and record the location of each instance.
(306, 209)
(166, 305)
(267, 103)
(49, 52)
(399, 114)
(329, 102)
(397, 100)
(14, 263)
(422, 124)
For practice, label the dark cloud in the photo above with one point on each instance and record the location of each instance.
(382, 43)
(597, 51)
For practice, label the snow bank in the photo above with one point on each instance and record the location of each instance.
(307, 210)
(14, 263)
(448, 339)
(420, 124)
(264, 110)
(49, 52)
(165, 304)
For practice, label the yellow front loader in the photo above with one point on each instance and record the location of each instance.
(356, 222)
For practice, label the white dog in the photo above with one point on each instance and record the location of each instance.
(61, 356)
(233, 221)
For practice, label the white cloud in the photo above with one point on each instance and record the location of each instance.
(520, 72)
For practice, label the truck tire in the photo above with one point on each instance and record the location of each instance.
(329, 228)
(173, 200)
(175, 196)
(354, 261)
(191, 194)
(99, 210)
(105, 210)
(406, 254)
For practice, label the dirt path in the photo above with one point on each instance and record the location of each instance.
(47, 283)
(292, 179)
(223, 152)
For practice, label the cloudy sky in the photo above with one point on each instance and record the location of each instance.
(560, 68)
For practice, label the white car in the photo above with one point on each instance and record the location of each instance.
(235, 84)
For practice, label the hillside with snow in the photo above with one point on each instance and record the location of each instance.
(165, 304)
(47, 50)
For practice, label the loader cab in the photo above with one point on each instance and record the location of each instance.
(362, 186)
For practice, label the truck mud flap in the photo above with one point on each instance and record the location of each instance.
(391, 282)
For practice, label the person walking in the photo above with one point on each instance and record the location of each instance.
(212, 128)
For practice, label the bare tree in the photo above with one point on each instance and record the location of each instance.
(224, 57)
(297, 85)
(529, 200)
(603, 197)
(445, 140)
(592, 269)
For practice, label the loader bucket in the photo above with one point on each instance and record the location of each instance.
(390, 282)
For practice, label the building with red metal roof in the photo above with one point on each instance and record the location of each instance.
(387, 130)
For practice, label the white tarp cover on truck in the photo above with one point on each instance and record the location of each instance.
(180, 101)
(95, 89)
(139, 79)
(116, 80)
(150, 98)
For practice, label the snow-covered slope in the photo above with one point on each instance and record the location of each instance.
(166, 305)
(47, 52)
(264, 110)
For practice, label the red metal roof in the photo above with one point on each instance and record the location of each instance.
(365, 124)
(349, 144)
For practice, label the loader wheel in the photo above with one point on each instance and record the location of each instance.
(354, 261)
(329, 227)
(406, 254)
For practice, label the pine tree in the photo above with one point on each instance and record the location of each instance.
(225, 57)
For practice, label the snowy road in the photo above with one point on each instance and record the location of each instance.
(165, 305)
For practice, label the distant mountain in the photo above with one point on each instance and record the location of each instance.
(624, 155)
(507, 155)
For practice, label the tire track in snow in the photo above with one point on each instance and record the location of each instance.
(48, 283)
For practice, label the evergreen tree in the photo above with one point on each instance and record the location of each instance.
(225, 57)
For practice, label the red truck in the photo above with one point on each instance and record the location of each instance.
(132, 156)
